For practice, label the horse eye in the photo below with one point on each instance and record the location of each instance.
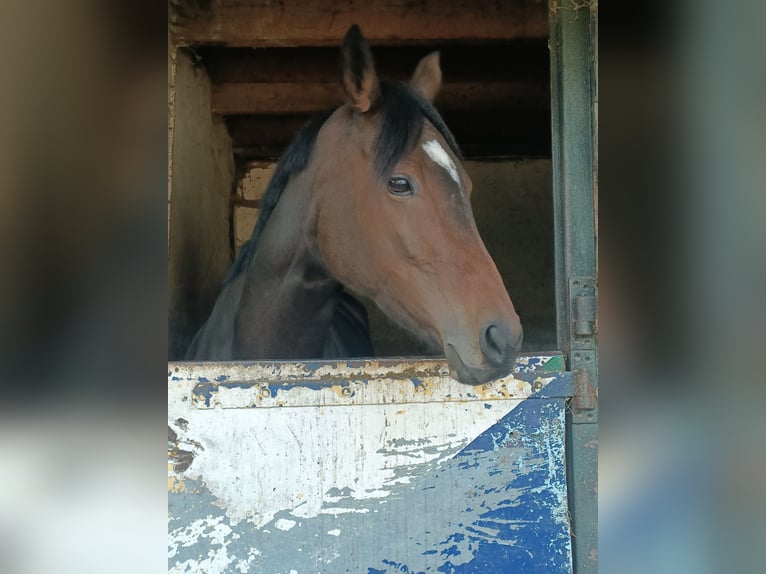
(399, 185)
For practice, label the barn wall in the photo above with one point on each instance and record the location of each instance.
(201, 180)
(512, 203)
(513, 206)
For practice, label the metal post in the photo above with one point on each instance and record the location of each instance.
(573, 92)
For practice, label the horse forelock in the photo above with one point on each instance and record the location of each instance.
(402, 114)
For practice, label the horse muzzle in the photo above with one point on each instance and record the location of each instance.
(492, 358)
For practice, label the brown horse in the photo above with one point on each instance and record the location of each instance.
(370, 199)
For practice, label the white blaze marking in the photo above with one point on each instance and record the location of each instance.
(437, 153)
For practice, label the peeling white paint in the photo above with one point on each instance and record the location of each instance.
(397, 375)
(243, 565)
(555, 450)
(209, 527)
(217, 533)
(362, 443)
(302, 463)
(440, 156)
(284, 524)
(343, 510)
(384, 424)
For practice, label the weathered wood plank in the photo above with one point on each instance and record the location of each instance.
(286, 98)
(275, 98)
(259, 23)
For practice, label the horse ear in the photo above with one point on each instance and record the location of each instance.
(359, 77)
(427, 79)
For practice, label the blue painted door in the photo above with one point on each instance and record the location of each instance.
(371, 467)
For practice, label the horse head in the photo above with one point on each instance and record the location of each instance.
(394, 221)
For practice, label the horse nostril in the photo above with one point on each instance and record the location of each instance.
(494, 344)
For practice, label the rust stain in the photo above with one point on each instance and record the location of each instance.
(500, 389)
(179, 458)
(182, 459)
(175, 484)
(342, 391)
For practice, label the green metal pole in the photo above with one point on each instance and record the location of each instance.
(573, 92)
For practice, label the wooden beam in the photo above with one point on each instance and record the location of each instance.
(287, 98)
(274, 98)
(261, 23)
(516, 61)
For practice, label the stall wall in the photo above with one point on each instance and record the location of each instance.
(513, 206)
(200, 184)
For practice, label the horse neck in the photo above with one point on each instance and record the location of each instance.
(288, 298)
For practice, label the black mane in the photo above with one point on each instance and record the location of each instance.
(294, 160)
(402, 113)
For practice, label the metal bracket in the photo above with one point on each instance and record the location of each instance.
(582, 299)
(585, 401)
